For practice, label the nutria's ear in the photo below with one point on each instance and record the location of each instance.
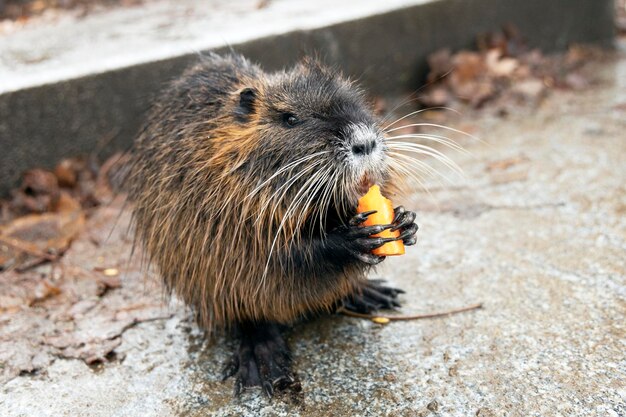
(247, 99)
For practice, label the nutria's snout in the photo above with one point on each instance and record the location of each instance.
(365, 146)
(364, 141)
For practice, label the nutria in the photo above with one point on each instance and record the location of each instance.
(245, 185)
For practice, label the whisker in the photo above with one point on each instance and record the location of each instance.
(321, 184)
(399, 165)
(326, 200)
(404, 102)
(435, 138)
(419, 111)
(432, 171)
(436, 126)
(287, 187)
(286, 167)
(426, 150)
(402, 167)
(422, 169)
(295, 202)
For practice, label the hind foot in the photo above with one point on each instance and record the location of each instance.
(373, 296)
(262, 359)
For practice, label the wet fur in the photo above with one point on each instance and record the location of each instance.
(201, 179)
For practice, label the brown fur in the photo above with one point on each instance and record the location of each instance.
(195, 170)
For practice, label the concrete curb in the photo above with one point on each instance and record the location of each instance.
(386, 51)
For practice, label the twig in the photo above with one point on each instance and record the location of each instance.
(384, 319)
(26, 247)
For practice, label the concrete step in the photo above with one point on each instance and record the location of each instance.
(76, 85)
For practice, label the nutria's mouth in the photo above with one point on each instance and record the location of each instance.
(365, 184)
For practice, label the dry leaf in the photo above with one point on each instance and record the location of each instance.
(45, 290)
(37, 236)
(498, 66)
(503, 164)
(39, 181)
(66, 173)
(67, 203)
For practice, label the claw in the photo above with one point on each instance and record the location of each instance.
(373, 296)
(397, 211)
(268, 388)
(282, 380)
(378, 284)
(365, 305)
(385, 300)
(403, 218)
(409, 231)
(369, 244)
(287, 381)
(361, 217)
(230, 368)
(366, 231)
(359, 240)
(262, 359)
(237, 388)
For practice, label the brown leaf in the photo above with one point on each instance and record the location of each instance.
(66, 173)
(10, 303)
(39, 181)
(436, 97)
(499, 66)
(440, 64)
(76, 322)
(380, 105)
(503, 164)
(468, 66)
(66, 203)
(38, 193)
(45, 290)
(508, 170)
(23, 204)
(38, 236)
(512, 176)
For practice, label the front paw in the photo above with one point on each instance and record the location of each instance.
(404, 221)
(358, 241)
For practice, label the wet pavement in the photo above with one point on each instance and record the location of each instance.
(536, 232)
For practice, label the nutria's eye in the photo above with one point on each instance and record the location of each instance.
(290, 119)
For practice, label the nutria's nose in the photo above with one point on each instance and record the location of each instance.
(364, 148)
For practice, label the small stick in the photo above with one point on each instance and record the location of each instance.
(26, 247)
(411, 317)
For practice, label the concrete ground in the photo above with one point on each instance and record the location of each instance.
(537, 233)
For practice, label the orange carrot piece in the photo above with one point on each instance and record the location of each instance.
(374, 200)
